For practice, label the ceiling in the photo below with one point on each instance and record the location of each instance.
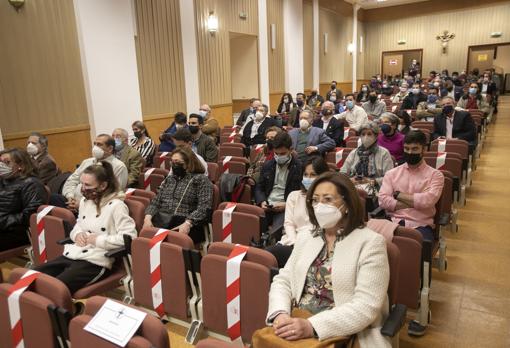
(370, 4)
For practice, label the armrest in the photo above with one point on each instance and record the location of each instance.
(127, 242)
(378, 212)
(444, 219)
(395, 320)
(118, 252)
(65, 241)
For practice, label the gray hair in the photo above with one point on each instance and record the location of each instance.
(308, 111)
(266, 108)
(390, 116)
(448, 97)
(328, 103)
(371, 125)
(124, 132)
(43, 140)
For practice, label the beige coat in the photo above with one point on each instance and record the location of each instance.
(360, 277)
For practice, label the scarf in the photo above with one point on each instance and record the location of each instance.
(366, 164)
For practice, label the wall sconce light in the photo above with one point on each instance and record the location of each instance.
(496, 34)
(325, 43)
(350, 48)
(17, 4)
(401, 42)
(361, 44)
(273, 36)
(212, 23)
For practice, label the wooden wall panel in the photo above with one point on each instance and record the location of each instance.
(471, 26)
(213, 49)
(276, 56)
(223, 113)
(59, 141)
(159, 57)
(41, 81)
(308, 44)
(274, 99)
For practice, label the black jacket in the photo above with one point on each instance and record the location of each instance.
(244, 116)
(463, 126)
(19, 198)
(265, 184)
(412, 101)
(260, 137)
(335, 129)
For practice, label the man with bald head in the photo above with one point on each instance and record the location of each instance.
(334, 128)
(211, 126)
(131, 158)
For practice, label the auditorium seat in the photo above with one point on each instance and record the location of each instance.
(248, 223)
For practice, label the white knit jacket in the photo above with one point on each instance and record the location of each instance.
(113, 222)
(360, 278)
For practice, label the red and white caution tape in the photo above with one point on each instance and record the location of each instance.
(441, 160)
(441, 146)
(41, 233)
(232, 136)
(130, 192)
(234, 292)
(147, 180)
(259, 148)
(346, 133)
(226, 164)
(162, 158)
(15, 293)
(226, 222)
(155, 268)
(393, 108)
(339, 154)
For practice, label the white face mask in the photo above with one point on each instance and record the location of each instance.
(259, 116)
(97, 152)
(367, 140)
(5, 170)
(327, 215)
(203, 113)
(304, 124)
(32, 149)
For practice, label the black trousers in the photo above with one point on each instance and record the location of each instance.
(75, 274)
(13, 238)
(196, 232)
(281, 252)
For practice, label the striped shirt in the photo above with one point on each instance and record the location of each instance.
(146, 149)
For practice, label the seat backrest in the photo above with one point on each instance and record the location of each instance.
(245, 227)
(246, 208)
(254, 284)
(454, 165)
(331, 156)
(152, 183)
(162, 162)
(141, 193)
(256, 255)
(239, 145)
(174, 281)
(255, 150)
(410, 267)
(230, 151)
(394, 262)
(213, 170)
(445, 202)
(458, 148)
(136, 211)
(152, 332)
(236, 165)
(144, 200)
(159, 171)
(225, 138)
(352, 142)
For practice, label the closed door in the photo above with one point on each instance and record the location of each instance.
(481, 58)
(392, 64)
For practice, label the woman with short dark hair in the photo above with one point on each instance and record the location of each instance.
(21, 193)
(338, 272)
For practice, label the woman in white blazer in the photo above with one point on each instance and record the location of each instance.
(339, 271)
(103, 219)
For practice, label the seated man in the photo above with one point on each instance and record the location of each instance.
(103, 150)
(278, 177)
(414, 98)
(333, 127)
(402, 94)
(314, 99)
(254, 131)
(293, 120)
(355, 115)
(203, 145)
(264, 155)
(409, 192)
(427, 110)
(308, 140)
(37, 148)
(131, 158)
(180, 121)
(211, 126)
(374, 107)
(248, 114)
(183, 138)
(454, 124)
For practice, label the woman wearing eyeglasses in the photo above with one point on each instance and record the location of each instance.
(338, 272)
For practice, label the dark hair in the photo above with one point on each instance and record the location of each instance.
(183, 134)
(23, 160)
(289, 96)
(110, 141)
(193, 165)
(180, 117)
(42, 139)
(103, 172)
(333, 81)
(273, 129)
(355, 212)
(301, 94)
(405, 116)
(140, 125)
(198, 117)
(318, 164)
(282, 139)
(416, 137)
(253, 99)
(352, 95)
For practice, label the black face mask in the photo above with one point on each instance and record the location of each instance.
(299, 102)
(90, 194)
(193, 129)
(327, 112)
(412, 158)
(333, 86)
(269, 144)
(314, 93)
(178, 170)
(137, 134)
(372, 98)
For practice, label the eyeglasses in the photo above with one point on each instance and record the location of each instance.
(330, 200)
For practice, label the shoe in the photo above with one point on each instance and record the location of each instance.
(416, 329)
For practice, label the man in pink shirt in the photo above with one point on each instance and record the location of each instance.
(410, 191)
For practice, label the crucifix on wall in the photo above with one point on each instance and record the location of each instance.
(445, 37)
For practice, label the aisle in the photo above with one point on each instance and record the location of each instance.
(470, 302)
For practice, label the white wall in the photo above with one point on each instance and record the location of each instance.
(293, 41)
(244, 67)
(108, 57)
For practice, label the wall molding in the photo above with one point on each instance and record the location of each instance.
(60, 130)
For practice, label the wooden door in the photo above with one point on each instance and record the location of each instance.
(392, 64)
(481, 58)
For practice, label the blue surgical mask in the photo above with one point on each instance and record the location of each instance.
(349, 104)
(307, 182)
(118, 144)
(472, 90)
(432, 98)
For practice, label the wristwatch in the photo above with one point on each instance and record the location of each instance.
(395, 194)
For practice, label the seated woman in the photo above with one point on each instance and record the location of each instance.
(296, 217)
(103, 219)
(286, 104)
(21, 193)
(142, 142)
(338, 272)
(474, 100)
(362, 96)
(265, 154)
(369, 162)
(390, 138)
(404, 122)
(183, 202)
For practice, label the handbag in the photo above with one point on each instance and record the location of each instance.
(266, 338)
(166, 220)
